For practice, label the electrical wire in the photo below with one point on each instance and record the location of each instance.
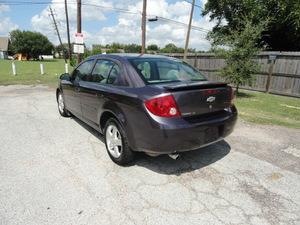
(122, 10)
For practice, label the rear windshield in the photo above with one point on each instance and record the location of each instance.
(165, 70)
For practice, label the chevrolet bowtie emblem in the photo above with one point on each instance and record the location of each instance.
(211, 99)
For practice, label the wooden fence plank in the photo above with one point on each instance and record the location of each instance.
(286, 72)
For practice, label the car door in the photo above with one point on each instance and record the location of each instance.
(93, 92)
(72, 93)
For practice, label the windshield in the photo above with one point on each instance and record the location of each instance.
(159, 70)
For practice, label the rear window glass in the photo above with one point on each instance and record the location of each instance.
(165, 70)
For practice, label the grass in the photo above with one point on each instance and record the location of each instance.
(269, 109)
(28, 72)
(252, 106)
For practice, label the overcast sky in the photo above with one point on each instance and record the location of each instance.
(103, 23)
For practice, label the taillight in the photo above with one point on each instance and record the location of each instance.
(164, 106)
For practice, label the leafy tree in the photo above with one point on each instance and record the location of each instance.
(30, 43)
(283, 31)
(152, 47)
(241, 47)
(96, 49)
(62, 50)
(133, 48)
(172, 48)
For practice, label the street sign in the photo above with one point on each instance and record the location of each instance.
(78, 48)
(79, 38)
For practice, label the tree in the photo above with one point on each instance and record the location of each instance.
(239, 49)
(30, 43)
(171, 48)
(96, 49)
(152, 47)
(133, 48)
(283, 30)
(62, 50)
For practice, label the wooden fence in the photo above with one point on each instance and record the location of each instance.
(279, 71)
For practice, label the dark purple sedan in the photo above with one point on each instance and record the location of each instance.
(147, 103)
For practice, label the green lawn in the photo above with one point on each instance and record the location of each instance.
(269, 109)
(28, 72)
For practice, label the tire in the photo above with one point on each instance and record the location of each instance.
(61, 106)
(116, 143)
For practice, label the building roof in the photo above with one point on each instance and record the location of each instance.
(4, 44)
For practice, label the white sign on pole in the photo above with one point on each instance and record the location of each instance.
(78, 38)
(78, 48)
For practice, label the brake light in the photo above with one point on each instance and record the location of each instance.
(164, 106)
(211, 92)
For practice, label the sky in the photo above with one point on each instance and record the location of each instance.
(107, 21)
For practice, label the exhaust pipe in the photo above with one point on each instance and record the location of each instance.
(173, 156)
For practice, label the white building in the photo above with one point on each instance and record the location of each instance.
(3, 47)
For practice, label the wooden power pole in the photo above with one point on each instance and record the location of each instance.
(188, 32)
(144, 26)
(68, 30)
(78, 25)
(57, 32)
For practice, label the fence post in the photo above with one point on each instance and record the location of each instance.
(66, 68)
(271, 61)
(13, 66)
(42, 68)
(195, 61)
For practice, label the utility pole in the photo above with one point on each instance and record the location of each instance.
(144, 26)
(68, 30)
(55, 26)
(188, 32)
(78, 25)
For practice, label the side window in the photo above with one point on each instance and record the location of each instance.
(114, 75)
(145, 69)
(101, 71)
(106, 72)
(82, 72)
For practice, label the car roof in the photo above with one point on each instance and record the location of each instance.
(131, 56)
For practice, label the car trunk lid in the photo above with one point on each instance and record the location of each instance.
(197, 98)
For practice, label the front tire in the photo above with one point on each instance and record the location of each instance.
(61, 106)
(117, 143)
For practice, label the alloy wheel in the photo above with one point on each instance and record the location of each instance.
(114, 141)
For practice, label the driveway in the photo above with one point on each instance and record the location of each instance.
(55, 170)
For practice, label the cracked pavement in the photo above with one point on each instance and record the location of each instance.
(55, 170)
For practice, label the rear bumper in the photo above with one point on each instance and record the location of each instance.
(165, 137)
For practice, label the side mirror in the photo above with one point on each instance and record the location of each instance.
(65, 76)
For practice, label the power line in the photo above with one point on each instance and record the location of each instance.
(122, 10)
(199, 6)
(184, 24)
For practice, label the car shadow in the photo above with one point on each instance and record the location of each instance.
(187, 162)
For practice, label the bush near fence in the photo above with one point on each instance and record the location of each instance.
(279, 72)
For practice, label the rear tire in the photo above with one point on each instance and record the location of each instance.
(116, 143)
(61, 106)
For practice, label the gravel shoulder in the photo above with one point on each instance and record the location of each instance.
(55, 170)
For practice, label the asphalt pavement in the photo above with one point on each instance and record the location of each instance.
(55, 170)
